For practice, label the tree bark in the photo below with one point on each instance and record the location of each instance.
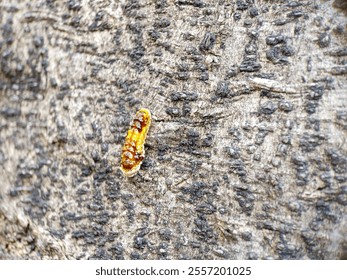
(246, 155)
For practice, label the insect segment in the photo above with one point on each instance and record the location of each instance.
(133, 151)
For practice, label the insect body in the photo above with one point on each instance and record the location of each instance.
(133, 151)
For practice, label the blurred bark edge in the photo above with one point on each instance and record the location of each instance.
(246, 155)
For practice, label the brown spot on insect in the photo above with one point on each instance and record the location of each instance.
(133, 152)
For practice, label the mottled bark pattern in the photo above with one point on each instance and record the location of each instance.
(247, 153)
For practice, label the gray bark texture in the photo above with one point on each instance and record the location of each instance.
(246, 157)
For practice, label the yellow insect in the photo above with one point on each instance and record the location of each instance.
(133, 151)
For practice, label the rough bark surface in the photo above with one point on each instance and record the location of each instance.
(246, 156)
